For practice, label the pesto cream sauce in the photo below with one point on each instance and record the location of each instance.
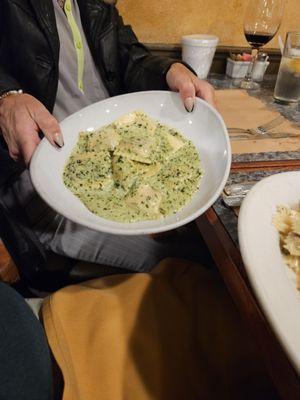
(133, 170)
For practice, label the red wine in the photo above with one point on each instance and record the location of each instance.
(258, 39)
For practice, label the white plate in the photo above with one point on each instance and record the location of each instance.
(272, 281)
(203, 126)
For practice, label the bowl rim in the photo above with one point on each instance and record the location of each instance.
(138, 230)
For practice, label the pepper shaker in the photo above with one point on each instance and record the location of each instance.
(260, 67)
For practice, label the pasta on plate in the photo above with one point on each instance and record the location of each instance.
(287, 222)
(134, 169)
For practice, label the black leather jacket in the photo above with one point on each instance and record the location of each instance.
(29, 50)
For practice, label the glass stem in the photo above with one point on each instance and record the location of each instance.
(248, 76)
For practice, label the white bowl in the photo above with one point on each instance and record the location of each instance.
(203, 126)
(274, 284)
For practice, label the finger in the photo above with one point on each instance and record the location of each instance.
(28, 147)
(210, 98)
(24, 134)
(187, 94)
(14, 153)
(206, 92)
(49, 126)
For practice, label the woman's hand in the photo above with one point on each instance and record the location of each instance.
(22, 117)
(181, 79)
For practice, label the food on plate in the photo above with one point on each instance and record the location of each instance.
(287, 222)
(134, 169)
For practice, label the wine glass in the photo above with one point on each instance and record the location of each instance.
(261, 23)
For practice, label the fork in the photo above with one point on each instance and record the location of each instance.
(270, 135)
(261, 129)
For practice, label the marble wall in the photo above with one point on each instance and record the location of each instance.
(165, 21)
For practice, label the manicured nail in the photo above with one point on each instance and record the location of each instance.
(189, 104)
(58, 139)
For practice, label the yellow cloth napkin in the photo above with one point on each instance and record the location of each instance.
(240, 110)
(169, 335)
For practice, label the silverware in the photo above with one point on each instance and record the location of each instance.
(237, 189)
(261, 129)
(233, 194)
(233, 130)
(270, 135)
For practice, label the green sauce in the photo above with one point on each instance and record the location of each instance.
(134, 169)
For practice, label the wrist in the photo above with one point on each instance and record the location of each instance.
(182, 65)
(10, 93)
(174, 66)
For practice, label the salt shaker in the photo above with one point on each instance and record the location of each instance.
(260, 67)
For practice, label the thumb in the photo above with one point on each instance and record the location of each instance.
(187, 94)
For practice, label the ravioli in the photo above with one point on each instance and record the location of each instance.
(104, 139)
(145, 200)
(169, 142)
(133, 169)
(127, 172)
(137, 121)
(137, 147)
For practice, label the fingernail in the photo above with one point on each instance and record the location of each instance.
(58, 139)
(189, 104)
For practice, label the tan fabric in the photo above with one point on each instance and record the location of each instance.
(8, 271)
(239, 110)
(172, 334)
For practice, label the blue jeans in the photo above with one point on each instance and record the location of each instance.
(25, 365)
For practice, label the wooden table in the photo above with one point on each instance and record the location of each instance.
(220, 235)
(225, 253)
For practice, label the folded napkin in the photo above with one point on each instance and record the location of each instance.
(239, 110)
(172, 334)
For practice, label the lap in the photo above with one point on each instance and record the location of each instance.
(64, 237)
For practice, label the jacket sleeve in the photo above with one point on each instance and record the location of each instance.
(141, 70)
(7, 82)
